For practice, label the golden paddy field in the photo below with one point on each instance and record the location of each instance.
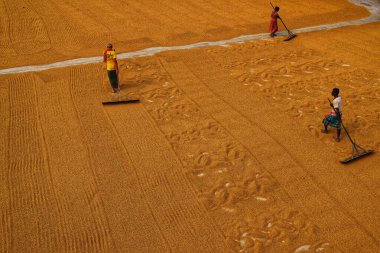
(224, 151)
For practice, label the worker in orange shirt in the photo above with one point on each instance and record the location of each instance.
(109, 57)
(273, 26)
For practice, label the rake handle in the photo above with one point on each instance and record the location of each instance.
(341, 122)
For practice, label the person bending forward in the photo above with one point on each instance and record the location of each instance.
(334, 118)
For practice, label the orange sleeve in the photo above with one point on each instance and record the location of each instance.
(105, 56)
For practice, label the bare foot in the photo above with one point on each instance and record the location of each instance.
(324, 131)
(337, 139)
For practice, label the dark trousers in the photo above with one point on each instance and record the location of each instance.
(112, 76)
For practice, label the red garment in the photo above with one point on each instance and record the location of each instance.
(105, 54)
(273, 27)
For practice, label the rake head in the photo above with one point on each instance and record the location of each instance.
(357, 156)
(120, 98)
(124, 101)
(291, 36)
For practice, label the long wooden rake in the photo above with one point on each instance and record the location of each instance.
(357, 151)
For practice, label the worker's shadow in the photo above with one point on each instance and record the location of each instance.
(135, 85)
(129, 84)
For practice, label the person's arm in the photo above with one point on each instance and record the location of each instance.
(337, 112)
(116, 66)
(335, 106)
(105, 56)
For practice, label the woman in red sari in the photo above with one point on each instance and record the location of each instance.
(273, 27)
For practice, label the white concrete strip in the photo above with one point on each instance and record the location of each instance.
(373, 7)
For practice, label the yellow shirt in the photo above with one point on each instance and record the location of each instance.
(110, 58)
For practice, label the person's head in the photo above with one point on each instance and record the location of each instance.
(335, 92)
(276, 8)
(109, 46)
